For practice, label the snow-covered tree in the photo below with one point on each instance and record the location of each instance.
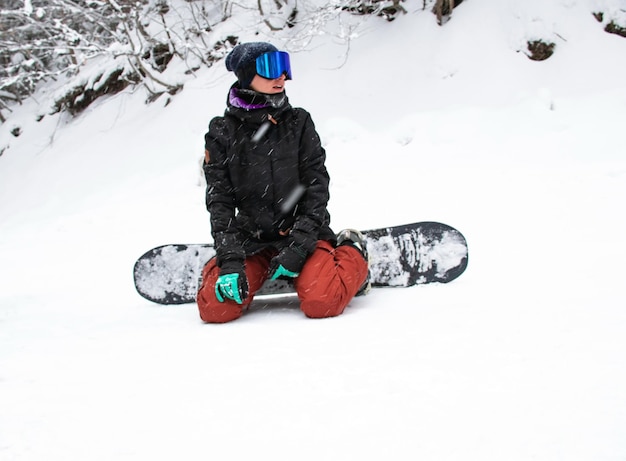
(44, 40)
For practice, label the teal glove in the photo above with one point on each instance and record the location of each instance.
(232, 283)
(282, 272)
(288, 263)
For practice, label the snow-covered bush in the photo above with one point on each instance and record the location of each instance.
(135, 42)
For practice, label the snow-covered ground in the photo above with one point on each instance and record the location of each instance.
(520, 358)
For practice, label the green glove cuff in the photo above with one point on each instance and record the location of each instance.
(282, 272)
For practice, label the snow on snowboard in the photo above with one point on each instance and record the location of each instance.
(400, 256)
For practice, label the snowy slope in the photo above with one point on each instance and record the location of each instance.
(521, 358)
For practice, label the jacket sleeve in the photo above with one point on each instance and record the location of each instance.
(220, 196)
(312, 210)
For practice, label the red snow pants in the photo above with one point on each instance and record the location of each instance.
(328, 281)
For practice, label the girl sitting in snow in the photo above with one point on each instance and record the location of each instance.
(267, 195)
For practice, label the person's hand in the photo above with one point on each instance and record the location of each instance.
(288, 263)
(232, 283)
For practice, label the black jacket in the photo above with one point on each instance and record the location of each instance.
(267, 183)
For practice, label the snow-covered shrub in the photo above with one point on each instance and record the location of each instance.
(539, 50)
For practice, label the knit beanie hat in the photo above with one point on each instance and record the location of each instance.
(242, 60)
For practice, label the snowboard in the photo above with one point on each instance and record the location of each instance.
(400, 256)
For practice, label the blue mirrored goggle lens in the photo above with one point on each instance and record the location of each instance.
(273, 64)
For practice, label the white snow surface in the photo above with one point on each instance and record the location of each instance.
(521, 358)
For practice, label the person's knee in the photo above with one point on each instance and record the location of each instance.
(213, 311)
(321, 307)
(219, 313)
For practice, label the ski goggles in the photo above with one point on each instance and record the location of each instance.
(273, 64)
